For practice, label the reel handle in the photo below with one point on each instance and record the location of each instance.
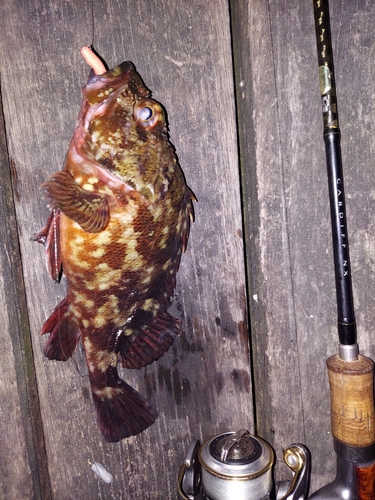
(297, 458)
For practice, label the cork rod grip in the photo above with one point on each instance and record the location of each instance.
(352, 400)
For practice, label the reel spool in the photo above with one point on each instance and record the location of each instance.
(239, 465)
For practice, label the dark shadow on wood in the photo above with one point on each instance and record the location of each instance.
(20, 332)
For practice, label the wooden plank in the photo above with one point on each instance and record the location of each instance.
(290, 263)
(310, 246)
(274, 332)
(203, 385)
(23, 465)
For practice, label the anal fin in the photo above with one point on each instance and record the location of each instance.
(64, 333)
(149, 343)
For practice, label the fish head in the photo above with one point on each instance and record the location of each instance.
(124, 130)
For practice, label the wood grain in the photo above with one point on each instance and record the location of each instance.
(366, 480)
(23, 461)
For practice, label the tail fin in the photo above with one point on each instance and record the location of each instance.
(120, 410)
(64, 333)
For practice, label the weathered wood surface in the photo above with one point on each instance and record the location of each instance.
(22, 457)
(203, 385)
(290, 264)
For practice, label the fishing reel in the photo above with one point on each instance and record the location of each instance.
(238, 466)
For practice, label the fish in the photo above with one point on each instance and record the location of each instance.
(120, 217)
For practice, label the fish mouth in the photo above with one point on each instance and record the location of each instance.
(122, 68)
(107, 85)
(115, 72)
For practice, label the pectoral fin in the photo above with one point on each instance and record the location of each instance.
(89, 210)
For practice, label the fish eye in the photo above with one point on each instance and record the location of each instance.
(148, 113)
(145, 113)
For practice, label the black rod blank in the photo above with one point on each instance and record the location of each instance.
(331, 133)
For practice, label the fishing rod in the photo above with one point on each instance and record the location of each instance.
(237, 465)
(350, 374)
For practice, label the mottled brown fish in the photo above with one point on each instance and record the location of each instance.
(120, 220)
